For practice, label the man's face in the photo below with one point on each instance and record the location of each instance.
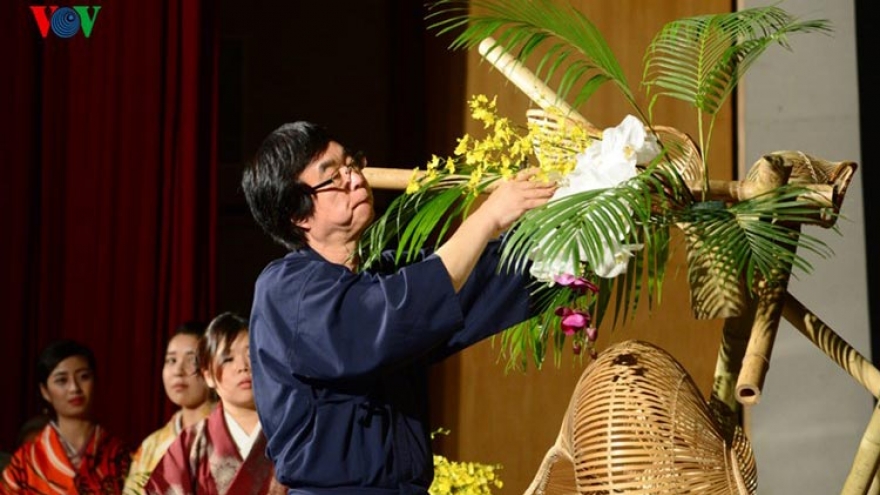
(344, 205)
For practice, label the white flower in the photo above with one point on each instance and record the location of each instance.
(611, 160)
(631, 140)
(615, 260)
(545, 270)
(606, 163)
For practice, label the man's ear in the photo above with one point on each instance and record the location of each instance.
(303, 223)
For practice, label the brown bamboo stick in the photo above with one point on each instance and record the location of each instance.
(766, 174)
(734, 191)
(389, 178)
(731, 350)
(834, 346)
(527, 81)
(867, 458)
(770, 298)
(875, 486)
(722, 190)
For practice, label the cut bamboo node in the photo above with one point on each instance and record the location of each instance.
(389, 178)
(751, 379)
(526, 80)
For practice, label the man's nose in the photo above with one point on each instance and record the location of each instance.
(356, 179)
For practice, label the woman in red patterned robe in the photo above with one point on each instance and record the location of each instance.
(72, 454)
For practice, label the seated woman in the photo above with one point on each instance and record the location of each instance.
(72, 454)
(225, 452)
(186, 388)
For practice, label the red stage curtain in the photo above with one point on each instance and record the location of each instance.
(107, 193)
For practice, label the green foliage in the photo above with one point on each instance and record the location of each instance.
(698, 61)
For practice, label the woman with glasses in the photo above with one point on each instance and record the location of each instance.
(340, 354)
(72, 454)
(225, 452)
(187, 389)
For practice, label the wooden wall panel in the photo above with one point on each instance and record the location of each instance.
(513, 418)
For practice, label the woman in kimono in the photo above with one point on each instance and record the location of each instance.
(72, 454)
(187, 389)
(225, 452)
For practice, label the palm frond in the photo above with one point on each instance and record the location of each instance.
(420, 220)
(698, 60)
(528, 341)
(760, 236)
(520, 27)
(701, 59)
(581, 228)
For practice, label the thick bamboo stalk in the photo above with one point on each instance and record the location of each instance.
(389, 178)
(835, 347)
(732, 349)
(770, 299)
(875, 486)
(720, 190)
(864, 467)
(734, 191)
(527, 81)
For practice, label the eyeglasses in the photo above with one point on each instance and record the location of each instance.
(355, 163)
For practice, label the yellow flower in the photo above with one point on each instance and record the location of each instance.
(462, 145)
(413, 185)
(472, 478)
(506, 148)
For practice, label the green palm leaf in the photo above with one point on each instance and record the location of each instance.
(577, 49)
(698, 60)
(701, 59)
(582, 227)
(759, 236)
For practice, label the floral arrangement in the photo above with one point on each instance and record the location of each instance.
(464, 478)
(607, 230)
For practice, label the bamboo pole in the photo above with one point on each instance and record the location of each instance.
(770, 297)
(719, 190)
(767, 174)
(527, 81)
(867, 458)
(390, 178)
(732, 348)
(834, 346)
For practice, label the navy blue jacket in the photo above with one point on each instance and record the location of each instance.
(340, 362)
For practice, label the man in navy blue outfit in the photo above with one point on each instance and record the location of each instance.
(340, 356)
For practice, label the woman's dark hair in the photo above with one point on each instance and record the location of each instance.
(222, 330)
(58, 351)
(194, 328)
(271, 183)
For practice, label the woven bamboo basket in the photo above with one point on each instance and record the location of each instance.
(638, 424)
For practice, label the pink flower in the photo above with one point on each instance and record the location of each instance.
(577, 284)
(592, 333)
(573, 320)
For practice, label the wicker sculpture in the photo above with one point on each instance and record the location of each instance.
(637, 424)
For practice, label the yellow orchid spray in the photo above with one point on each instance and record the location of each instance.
(463, 478)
